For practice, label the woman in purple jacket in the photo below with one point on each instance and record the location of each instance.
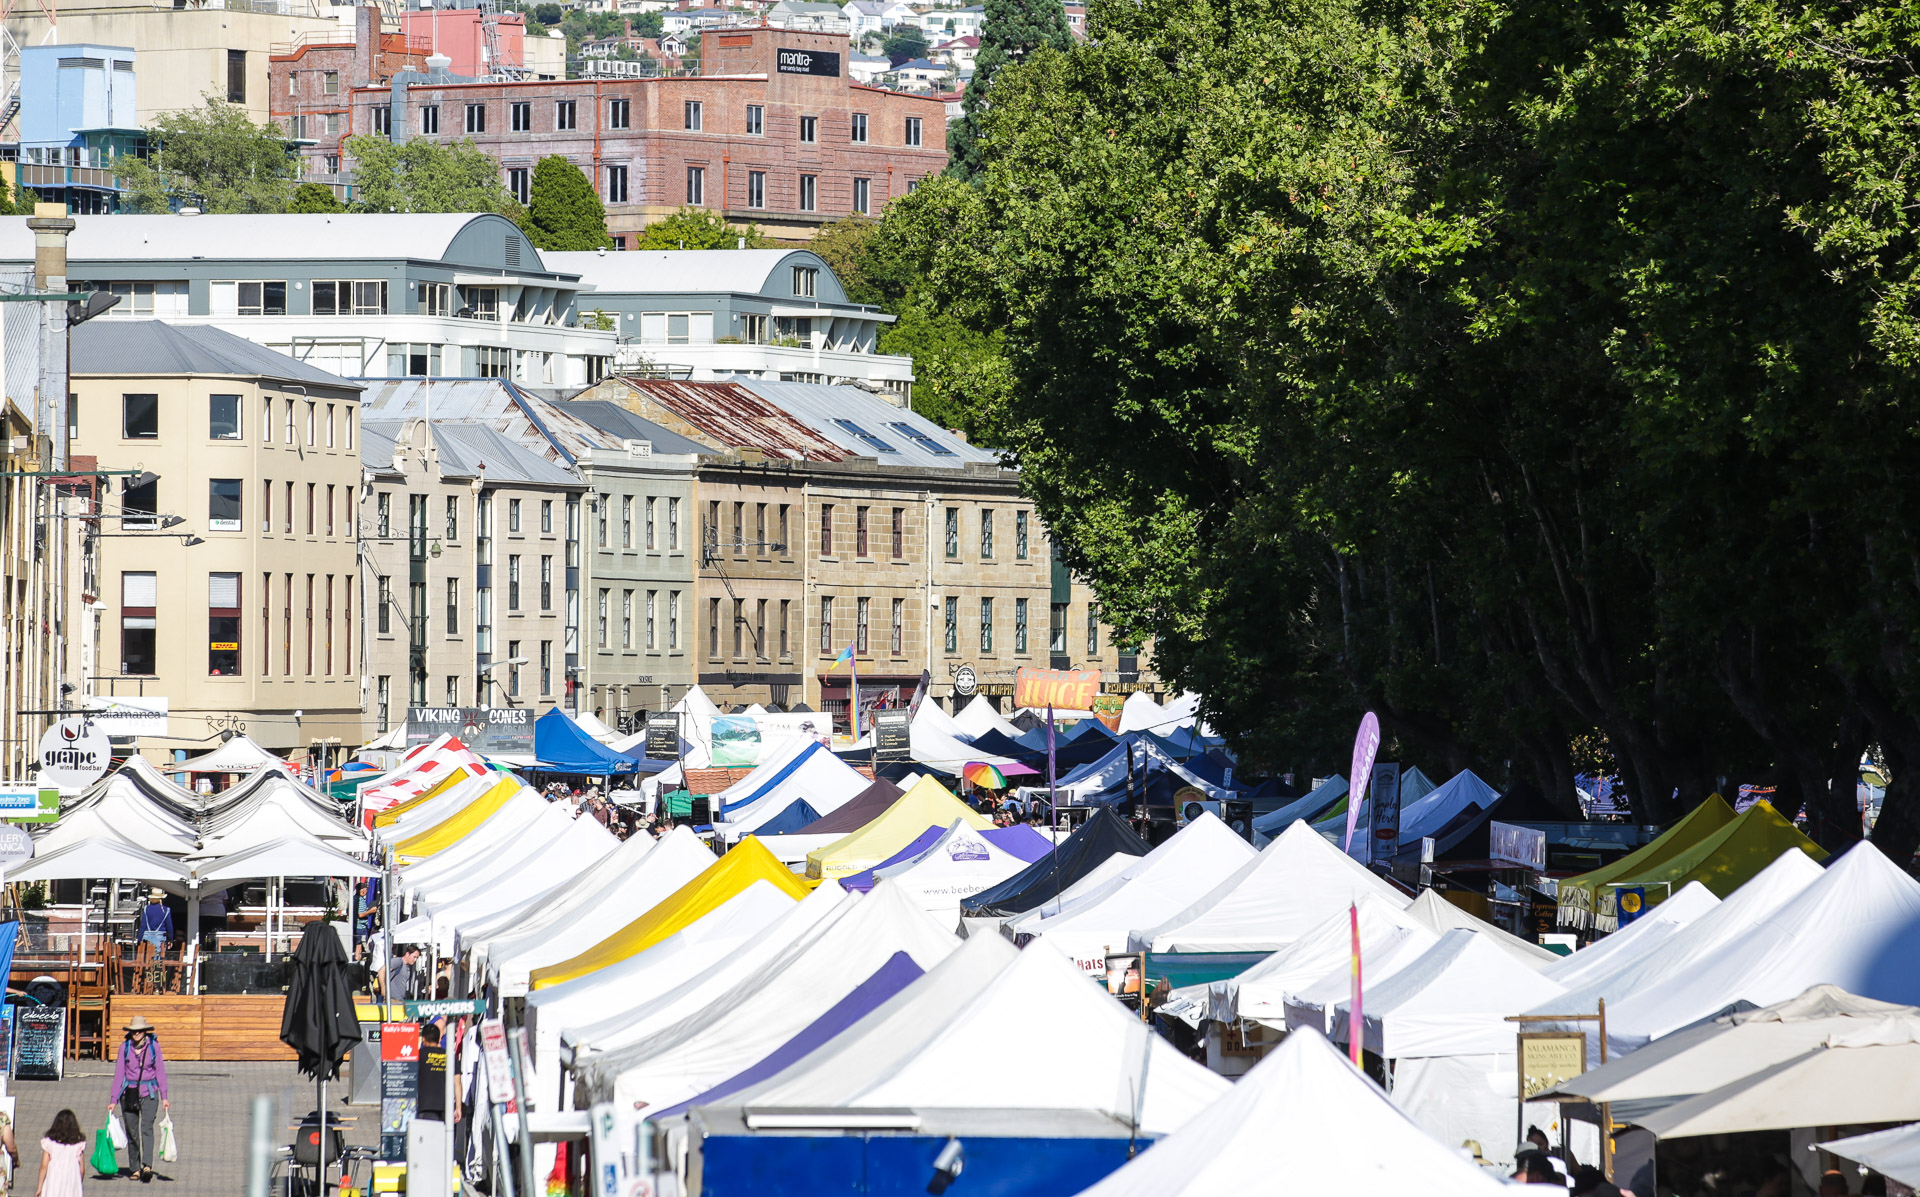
(140, 1091)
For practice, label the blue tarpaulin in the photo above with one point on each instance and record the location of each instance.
(561, 746)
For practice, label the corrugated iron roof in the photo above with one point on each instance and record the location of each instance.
(732, 416)
(467, 450)
(545, 428)
(868, 426)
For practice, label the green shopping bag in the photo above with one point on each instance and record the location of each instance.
(104, 1161)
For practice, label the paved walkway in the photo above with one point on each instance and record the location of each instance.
(211, 1105)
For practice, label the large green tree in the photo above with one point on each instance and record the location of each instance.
(565, 214)
(315, 198)
(424, 175)
(1010, 31)
(697, 228)
(213, 158)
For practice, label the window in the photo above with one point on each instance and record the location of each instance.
(453, 691)
(223, 504)
(826, 625)
(223, 417)
(513, 671)
(619, 113)
(312, 422)
(760, 629)
(236, 76)
(453, 517)
(756, 189)
(309, 665)
(453, 606)
(860, 532)
(600, 613)
(912, 134)
(350, 298)
(382, 119)
(436, 299)
(513, 582)
(1020, 625)
(288, 529)
(899, 532)
(861, 193)
(383, 691)
(806, 280)
(1093, 631)
(147, 299)
(809, 128)
(857, 128)
(261, 299)
(288, 428)
(520, 116)
(693, 116)
(140, 417)
(898, 625)
(759, 529)
(1020, 535)
(430, 118)
(953, 532)
(266, 505)
(986, 534)
(756, 120)
(546, 667)
(739, 528)
(383, 514)
(786, 650)
(616, 184)
(564, 114)
(546, 517)
(286, 624)
(861, 609)
(878, 444)
(826, 529)
(513, 515)
(266, 419)
(953, 625)
(652, 505)
(546, 583)
(713, 628)
(626, 619)
(673, 620)
(476, 118)
(739, 627)
(652, 641)
(696, 185)
(329, 425)
(602, 515)
(520, 184)
(1057, 628)
(626, 521)
(490, 362)
(139, 598)
(311, 488)
(673, 525)
(986, 625)
(786, 546)
(141, 501)
(809, 195)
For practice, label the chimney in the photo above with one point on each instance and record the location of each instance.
(50, 224)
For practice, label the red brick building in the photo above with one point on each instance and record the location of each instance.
(312, 84)
(771, 131)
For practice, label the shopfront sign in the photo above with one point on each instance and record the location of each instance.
(482, 729)
(663, 737)
(965, 681)
(1062, 689)
(892, 737)
(1549, 1059)
(808, 62)
(29, 802)
(126, 718)
(74, 754)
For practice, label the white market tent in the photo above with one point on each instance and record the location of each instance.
(278, 816)
(978, 718)
(1441, 1023)
(106, 857)
(1857, 926)
(1303, 1120)
(1872, 1075)
(790, 751)
(582, 844)
(591, 724)
(1635, 940)
(420, 770)
(959, 864)
(463, 869)
(749, 917)
(1288, 889)
(938, 743)
(931, 719)
(1111, 771)
(814, 776)
(460, 793)
(516, 816)
(758, 1015)
(1140, 713)
(1318, 799)
(1733, 921)
(91, 822)
(392, 740)
(574, 922)
(238, 755)
(134, 814)
(1440, 916)
(144, 771)
(280, 858)
(1314, 1003)
(965, 1036)
(1427, 816)
(1894, 1153)
(1165, 881)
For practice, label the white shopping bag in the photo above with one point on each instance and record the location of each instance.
(164, 1144)
(117, 1131)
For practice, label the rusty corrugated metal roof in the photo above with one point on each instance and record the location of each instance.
(736, 418)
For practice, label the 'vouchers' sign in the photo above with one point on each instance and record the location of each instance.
(1064, 689)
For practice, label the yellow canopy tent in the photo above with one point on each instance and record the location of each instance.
(391, 815)
(1587, 900)
(926, 804)
(452, 830)
(719, 883)
(1727, 859)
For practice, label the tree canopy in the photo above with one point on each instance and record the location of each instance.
(697, 228)
(1010, 31)
(424, 175)
(212, 157)
(315, 197)
(564, 214)
(1536, 376)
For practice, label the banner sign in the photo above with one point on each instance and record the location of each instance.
(29, 802)
(40, 1043)
(1513, 844)
(1107, 709)
(1632, 900)
(663, 737)
(399, 1086)
(1385, 790)
(735, 739)
(1366, 745)
(1549, 1059)
(892, 737)
(485, 730)
(808, 62)
(126, 718)
(1067, 689)
(456, 1008)
(493, 1046)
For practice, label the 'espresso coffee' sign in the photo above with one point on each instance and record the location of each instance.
(808, 62)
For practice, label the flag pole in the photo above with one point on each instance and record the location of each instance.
(1356, 1025)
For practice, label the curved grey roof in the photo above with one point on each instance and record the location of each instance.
(154, 348)
(277, 237)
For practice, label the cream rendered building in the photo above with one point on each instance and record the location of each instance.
(234, 598)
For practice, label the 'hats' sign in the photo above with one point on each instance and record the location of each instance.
(74, 754)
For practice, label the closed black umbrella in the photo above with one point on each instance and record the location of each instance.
(319, 1022)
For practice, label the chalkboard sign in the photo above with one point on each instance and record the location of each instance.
(663, 737)
(892, 739)
(40, 1043)
(399, 1086)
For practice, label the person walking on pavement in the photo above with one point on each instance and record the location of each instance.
(156, 922)
(140, 1091)
(61, 1151)
(403, 975)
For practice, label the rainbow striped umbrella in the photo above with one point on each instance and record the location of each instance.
(984, 775)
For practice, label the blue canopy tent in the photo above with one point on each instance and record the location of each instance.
(561, 746)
